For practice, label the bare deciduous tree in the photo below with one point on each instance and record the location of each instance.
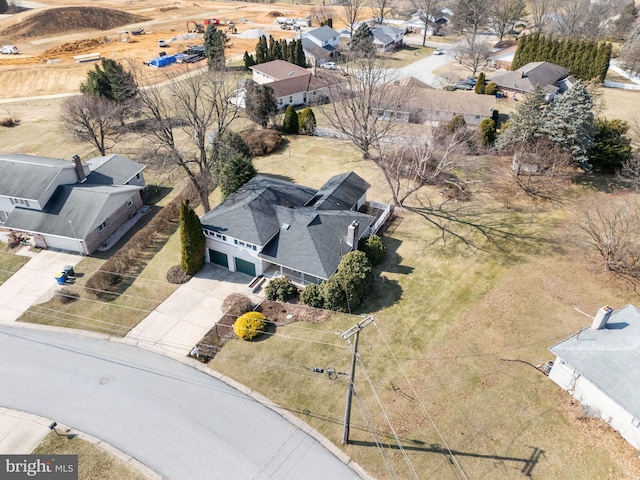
(95, 120)
(630, 171)
(472, 53)
(428, 11)
(539, 170)
(188, 116)
(582, 18)
(427, 161)
(505, 14)
(471, 16)
(352, 12)
(612, 228)
(383, 8)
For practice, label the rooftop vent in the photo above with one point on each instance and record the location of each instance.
(602, 317)
(290, 73)
(284, 226)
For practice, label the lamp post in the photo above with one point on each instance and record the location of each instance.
(76, 237)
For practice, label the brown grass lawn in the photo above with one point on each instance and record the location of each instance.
(93, 462)
(9, 264)
(449, 320)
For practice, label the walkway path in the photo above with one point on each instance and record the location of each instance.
(33, 283)
(183, 319)
(180, 422)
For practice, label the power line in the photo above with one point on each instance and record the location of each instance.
(454, 460)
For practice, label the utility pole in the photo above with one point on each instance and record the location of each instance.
(355, 330)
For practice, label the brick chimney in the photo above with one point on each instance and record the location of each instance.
(352, 235)
(79, 168)
(602, 317)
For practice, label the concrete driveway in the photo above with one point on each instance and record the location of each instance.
(33, 283)
(180, 322)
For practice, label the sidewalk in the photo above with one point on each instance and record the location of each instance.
(22, 432)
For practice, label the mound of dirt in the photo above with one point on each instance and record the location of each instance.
(58, 21)
(74, 47)
(275, 14)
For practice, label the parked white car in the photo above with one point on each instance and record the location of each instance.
(438, 51)
(9, 50)
(162, 43)
(329, 65)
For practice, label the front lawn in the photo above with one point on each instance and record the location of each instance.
(10, 264)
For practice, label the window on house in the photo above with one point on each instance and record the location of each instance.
(103, 225)
(224, 238)
(290, 99)
(255, 248)
(138, 176)
(235, 241)
(130, 203)
(279, 101)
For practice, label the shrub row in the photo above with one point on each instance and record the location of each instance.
(129, 258)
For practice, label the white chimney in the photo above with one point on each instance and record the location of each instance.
(602, 317)
(352, 235)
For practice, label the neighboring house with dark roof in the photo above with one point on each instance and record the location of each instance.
(65, 205)
(273, 227)
(524, 80)
(320, 44)
(600, 367)
(386, 38)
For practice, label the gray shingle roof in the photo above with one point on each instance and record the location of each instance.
(93, 200)
(249, 214)
(41, 172)
(324, 33)
(274, 213)
(112, 170)
(316, 50)
(340, 192)
(314, 241)
(610, 357)
(527, 77)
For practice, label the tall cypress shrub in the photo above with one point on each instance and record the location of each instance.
(192, 240)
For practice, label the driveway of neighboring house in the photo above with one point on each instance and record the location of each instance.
(183, 319)
(33, 283)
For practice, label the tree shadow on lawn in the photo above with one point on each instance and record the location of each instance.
(601, 182)
(499, 233)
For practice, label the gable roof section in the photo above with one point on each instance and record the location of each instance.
(95, 202)
(280, 70)
(250, 213)
(527, 77)
(324, 33)
(112, 170)
(312, 48)
(290, 86)
(340, 192)
(380, 36)
(313, 241)
(610, 357)
(41, 172)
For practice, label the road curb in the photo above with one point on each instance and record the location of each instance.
(324, 441)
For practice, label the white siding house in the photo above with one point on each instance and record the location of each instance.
(600, 367)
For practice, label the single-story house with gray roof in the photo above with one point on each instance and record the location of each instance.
(273, 227)
(600, 367)
(65, 204)
(525, 79)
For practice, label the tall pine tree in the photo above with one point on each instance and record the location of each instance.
(192, 240)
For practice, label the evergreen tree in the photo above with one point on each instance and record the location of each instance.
(569, 122)
(611, 146)
(215, 43)
(192, 240)
(290, 123)
(307, 122)
(261, 50)
(234, 173)
(277, 50)
(527, 122)
(271, 54)
(291, 51)
(487, 130)
(362, 39)
(480, 86)
(111, 82)
(249, 61)
(300, 58)
(517, 56)
(4, 6)
(284, 48)
(260, 104)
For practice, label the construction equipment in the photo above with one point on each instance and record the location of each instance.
(194, 27)
(232, 28)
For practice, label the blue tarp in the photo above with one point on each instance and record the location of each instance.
(163, 61)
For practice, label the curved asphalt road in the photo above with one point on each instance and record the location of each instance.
(177, 420)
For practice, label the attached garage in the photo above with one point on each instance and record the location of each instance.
(245, 267)
(219, 258)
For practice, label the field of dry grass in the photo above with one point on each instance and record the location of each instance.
(447, 357)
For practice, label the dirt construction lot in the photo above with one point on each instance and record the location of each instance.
(49, 37)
